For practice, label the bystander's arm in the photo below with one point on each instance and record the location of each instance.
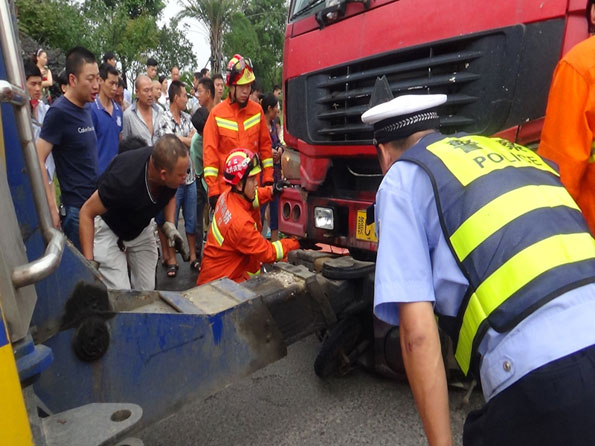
(44, 149)
(210, 144)
(126, 127)
(92, 208)
(169, 210)
(49, 79)
(187, 140)
(420, 344)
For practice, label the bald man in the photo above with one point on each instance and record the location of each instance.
(141, 118)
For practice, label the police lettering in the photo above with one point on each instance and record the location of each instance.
(521, 155)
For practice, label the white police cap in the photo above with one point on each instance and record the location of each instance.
(404, 116)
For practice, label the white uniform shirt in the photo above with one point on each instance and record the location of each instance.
(415, 264)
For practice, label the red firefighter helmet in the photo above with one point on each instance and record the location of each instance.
(239, 164)
(239, 71)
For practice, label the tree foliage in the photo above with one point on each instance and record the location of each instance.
(56, 23)
(258, 33)
(126, 27)
(173, 48)
(215, 15)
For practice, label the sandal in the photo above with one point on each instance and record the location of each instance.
(172, 270)
(195, 265)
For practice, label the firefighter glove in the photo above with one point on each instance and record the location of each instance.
(280, 185)
(174, 239)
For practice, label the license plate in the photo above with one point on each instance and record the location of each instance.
(363, 231)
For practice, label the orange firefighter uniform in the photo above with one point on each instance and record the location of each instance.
(568, 135)
(235, 247)
(228, 128)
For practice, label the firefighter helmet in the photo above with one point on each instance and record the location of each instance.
(239, 164)
(239, 71)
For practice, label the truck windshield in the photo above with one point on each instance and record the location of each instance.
(302, 8)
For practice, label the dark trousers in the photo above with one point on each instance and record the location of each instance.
(201, 202)
(70, 225)
(553, 405)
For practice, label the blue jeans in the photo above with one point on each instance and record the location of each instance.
(70, 225)
(186, 198)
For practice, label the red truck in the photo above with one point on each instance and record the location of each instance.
(494, 60)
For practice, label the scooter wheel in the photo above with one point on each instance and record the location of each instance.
(333, 358)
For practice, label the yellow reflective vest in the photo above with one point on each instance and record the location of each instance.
(517, 235)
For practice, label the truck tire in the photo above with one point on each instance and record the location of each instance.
(362, 254)
(333, 358)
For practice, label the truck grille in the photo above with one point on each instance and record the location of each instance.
(479, 73)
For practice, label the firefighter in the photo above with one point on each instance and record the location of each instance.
(568, 134)
(235, 247)
(482, 232)
(235, 122)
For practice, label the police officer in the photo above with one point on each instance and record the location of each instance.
(481, 232)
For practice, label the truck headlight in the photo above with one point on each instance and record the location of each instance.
(324, 218)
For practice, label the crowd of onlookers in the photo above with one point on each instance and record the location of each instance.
(95, 117)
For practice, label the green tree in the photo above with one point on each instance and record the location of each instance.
(54, 23)
(258, 33)
(173, 48)
(137, 8)
(241, 38)
(215, 15)
(126, 27)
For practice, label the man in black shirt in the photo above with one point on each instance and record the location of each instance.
(115, 222)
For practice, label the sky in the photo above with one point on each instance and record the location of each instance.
(197, 32)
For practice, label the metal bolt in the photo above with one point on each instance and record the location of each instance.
(507, 366)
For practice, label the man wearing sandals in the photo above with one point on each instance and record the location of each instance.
(176, 121)
(115, 222)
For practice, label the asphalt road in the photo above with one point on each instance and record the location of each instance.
(287, 404)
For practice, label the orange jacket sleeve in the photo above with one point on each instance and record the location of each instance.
(264, 194)
(566, 137)
(211, 162)
(266, 151)
(250, 242)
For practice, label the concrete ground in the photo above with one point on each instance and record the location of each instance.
(287, 404)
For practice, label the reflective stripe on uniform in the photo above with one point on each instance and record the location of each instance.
(252, 121)
(504, 209)
(267, 162)
(278, 249)
(216, 233)
(257, 273)
(210, 171)
(517, 234)
(592, 157)
(517, 272)
(226, 124)
(256, 201)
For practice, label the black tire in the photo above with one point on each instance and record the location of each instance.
(362, 254)
(337, 346)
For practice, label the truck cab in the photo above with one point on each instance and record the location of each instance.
(494, 61)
